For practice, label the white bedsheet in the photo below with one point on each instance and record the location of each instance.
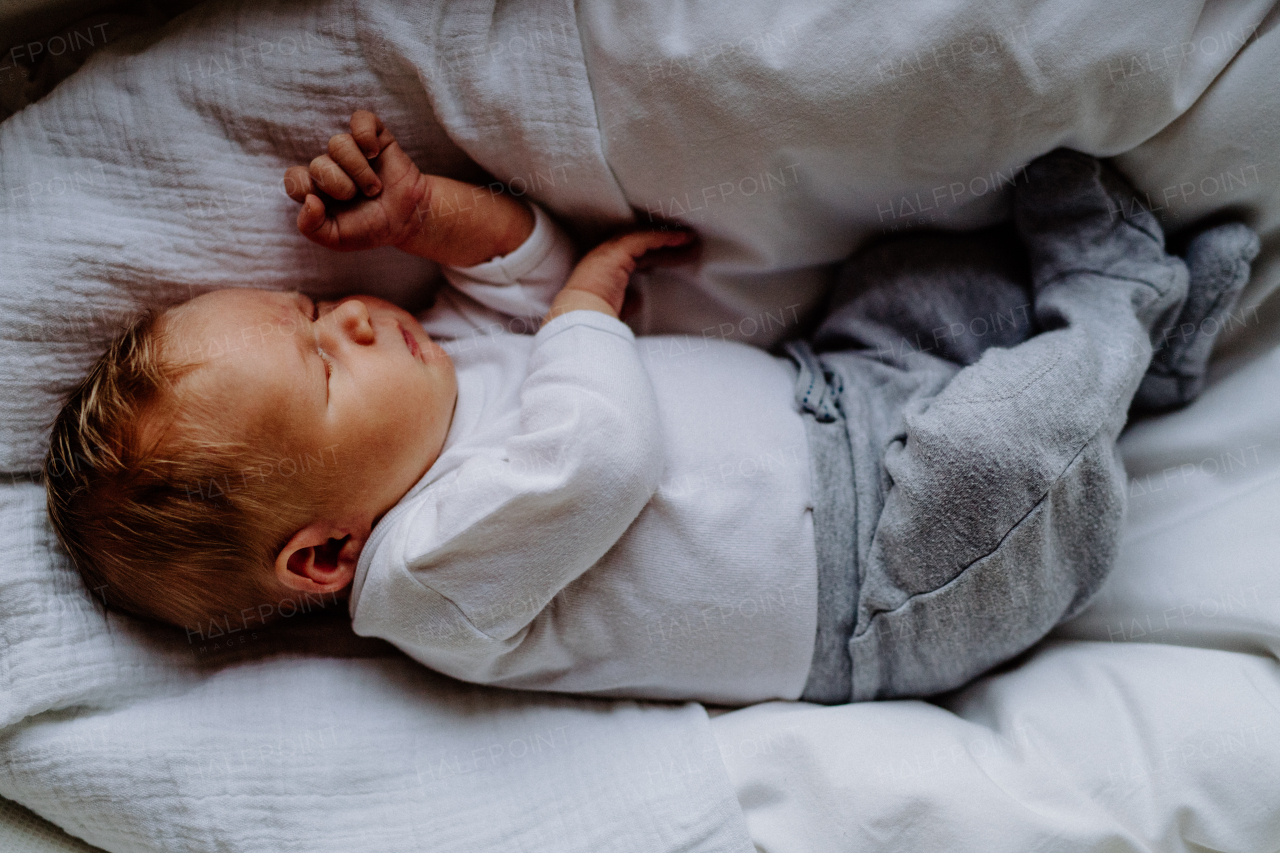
(154, 174)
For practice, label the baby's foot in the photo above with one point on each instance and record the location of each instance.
(1218, 259)
(1073, 212)
(1076, 214)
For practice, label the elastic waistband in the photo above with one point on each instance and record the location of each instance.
(830, 679)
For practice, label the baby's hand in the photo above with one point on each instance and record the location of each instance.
(365, 193)
(599, 281)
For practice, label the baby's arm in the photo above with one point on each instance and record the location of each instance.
(515, 292)
(366, 193)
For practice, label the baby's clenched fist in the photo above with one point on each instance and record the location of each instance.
(363, 194)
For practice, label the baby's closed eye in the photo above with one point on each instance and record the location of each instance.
(314, 314)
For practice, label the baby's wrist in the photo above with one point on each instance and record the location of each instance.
(462, 225)
(575, 299)
(519, 227)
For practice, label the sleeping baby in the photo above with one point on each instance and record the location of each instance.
(519, 491)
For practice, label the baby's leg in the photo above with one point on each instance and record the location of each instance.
(948, 296)
(1002, 490)
(953, 296)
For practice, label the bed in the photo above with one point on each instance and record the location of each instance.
(788, 135)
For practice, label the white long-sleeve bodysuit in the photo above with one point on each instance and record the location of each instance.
(609, 515)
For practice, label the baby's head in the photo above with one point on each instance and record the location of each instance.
(237, 449)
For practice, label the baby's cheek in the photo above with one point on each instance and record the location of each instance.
(433, 352)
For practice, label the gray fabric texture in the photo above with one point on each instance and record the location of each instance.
(831, 469)
(981, 382)
(1218, 260)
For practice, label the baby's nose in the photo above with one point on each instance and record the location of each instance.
(352, 318)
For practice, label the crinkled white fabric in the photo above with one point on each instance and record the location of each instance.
(306, 739)
(798, 131)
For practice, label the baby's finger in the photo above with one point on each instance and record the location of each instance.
(297, 183)
(344, 151)
(685, 252)
(370, 133)
(311, 216)
(637, 243)
(330, 177)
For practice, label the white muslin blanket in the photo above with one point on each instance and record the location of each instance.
(788, 135)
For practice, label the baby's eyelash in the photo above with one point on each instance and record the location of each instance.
(324, 356)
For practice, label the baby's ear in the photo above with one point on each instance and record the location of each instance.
(320, 558)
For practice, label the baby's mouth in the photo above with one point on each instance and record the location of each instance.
(410, 342)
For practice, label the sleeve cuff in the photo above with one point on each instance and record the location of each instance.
(590, 319)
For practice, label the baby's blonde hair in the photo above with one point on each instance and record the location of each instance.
(161, 518)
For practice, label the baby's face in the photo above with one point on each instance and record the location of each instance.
(356, 383)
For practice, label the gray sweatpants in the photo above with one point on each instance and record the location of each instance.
(972, 391)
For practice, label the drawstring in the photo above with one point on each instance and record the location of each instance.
(814, 391)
